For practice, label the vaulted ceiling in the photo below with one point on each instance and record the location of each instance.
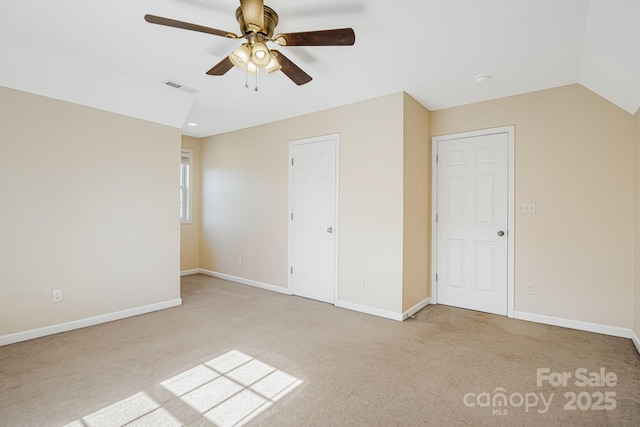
(103, 54)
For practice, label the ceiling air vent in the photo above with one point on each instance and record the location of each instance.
(173, 84)
(180, 86)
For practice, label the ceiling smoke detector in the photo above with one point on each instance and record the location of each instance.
(481, 78)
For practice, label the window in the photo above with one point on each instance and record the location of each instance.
(185, 185)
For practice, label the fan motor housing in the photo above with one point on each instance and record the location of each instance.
(270, 21)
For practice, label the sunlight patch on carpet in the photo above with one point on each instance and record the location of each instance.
(230, 390)
(138, 410)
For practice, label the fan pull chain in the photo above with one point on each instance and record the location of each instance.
(257, 72)
(246, 78)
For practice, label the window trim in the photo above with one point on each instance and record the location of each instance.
(188, 218)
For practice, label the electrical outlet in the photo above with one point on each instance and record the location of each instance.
(57, 295)
(530, 288)
(239, 261)
(363, 282)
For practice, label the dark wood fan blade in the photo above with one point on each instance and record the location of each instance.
(185, 25)
(336, 37)
(253, 13)
(221, 67)
(291, 70)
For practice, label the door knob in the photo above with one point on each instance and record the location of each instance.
(330, 230)
(500, 233)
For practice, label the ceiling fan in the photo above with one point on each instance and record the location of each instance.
(257, 26)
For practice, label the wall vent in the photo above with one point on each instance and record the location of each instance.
(180, 86)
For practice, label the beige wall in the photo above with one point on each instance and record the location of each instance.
(86, 190)
(89, 205)
(244, 205)
(574, 159)
(245, 199)
(636, 246)
(190, 232)
(416, 255)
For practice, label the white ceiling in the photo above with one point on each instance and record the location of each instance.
(103, 54)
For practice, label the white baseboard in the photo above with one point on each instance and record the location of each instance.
(635, 340)
(575, 324)
(248, 282)
(537, 318)
(189, 272)
(342, 304)
(369, 310)
(286, 291)
(83, 323)
(416, 308)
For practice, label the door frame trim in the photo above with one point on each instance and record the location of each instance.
(336, 139)
(510, 131)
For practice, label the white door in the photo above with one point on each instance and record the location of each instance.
(472, 222)
(313, 218)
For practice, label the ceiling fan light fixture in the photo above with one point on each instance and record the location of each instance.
(257, 25)
(260, 54)
(241, 56)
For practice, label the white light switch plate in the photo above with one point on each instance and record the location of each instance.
(526, 208)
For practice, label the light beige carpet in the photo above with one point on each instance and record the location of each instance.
(237, 354)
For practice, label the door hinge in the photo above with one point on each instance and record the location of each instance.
(291, 216)
(436, 218)
(436, 277)
(291, 270)
(436, 159)
(292, 161)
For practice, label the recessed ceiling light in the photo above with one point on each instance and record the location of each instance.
(192, 124)
(481, 78)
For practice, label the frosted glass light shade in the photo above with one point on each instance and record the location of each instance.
(273, 65)
(251, 68)
(260, 54)
(241, 57)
